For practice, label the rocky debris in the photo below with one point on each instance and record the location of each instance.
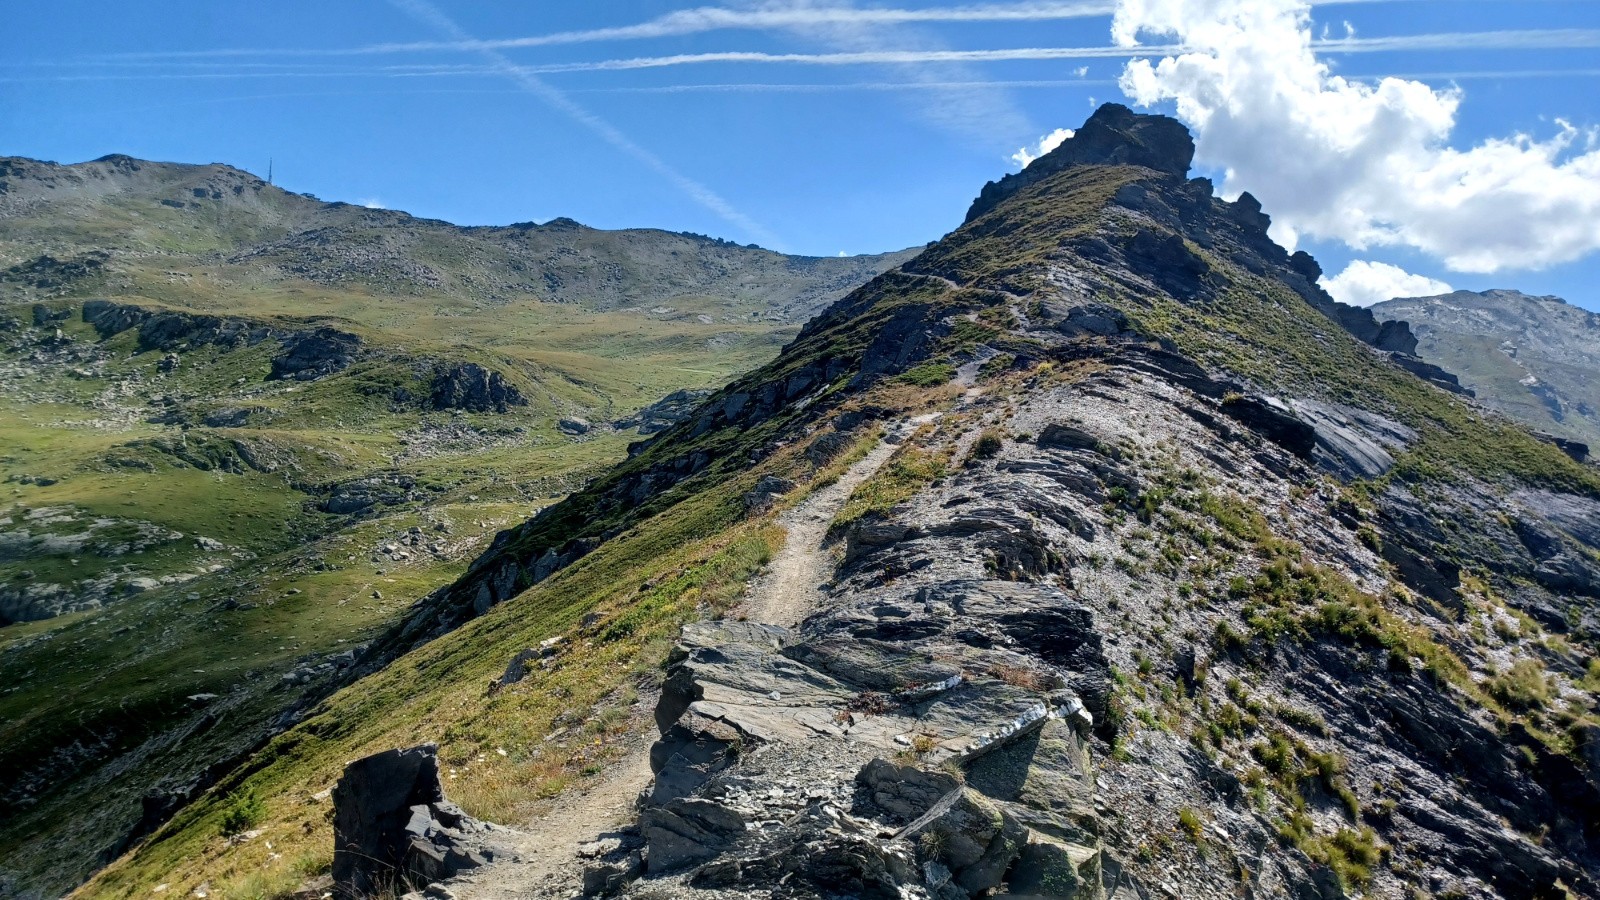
(471, 387)
(231, 417)
(51, 275)
(394, 830)
(574, 426)
(66, 533)
(664, 413)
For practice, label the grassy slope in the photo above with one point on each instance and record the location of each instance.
(114, 680)
(118, 677)
(689, 561)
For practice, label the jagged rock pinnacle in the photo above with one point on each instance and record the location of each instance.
(1114, 136)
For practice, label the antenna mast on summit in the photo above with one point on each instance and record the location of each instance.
(269, 170)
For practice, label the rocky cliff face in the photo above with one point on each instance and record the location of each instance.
(1536, 359)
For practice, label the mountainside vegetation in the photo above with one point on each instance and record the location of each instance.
(243, 430)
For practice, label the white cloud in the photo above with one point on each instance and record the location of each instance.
(372, 203)
(1049, 142)
(1363, 283)
(1369, 165)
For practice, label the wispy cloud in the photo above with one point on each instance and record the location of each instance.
(980, 115)
(1544, 39)
(1487, 40)
(532, 84)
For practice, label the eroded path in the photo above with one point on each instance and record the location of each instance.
(792, 584)
(550, 863)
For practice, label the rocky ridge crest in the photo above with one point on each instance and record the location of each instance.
(1179, 610)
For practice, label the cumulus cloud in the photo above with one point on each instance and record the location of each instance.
(1054, 139)
(1363, 283)
(372, 203)
(1366, 164)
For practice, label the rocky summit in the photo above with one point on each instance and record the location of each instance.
(1094, 552)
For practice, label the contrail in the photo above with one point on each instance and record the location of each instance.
(711, 18)
(704, 19)
(427, 13)
(1485, 40)
(858, 58)
(1540, 39)
(1534, 39)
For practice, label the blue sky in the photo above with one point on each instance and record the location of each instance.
(826, 127)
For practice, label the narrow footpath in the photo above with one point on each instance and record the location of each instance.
(549, 847)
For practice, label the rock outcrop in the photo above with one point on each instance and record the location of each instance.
(1113, 136)
(664, 413)
(773, 761)
(303, 355)
(395, 831)
(474, 388)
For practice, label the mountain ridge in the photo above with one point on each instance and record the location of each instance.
(1533, 358)
(1173, 582)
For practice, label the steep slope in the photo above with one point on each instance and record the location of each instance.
(242, 430)
(1174, 586)
(1536, 359)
